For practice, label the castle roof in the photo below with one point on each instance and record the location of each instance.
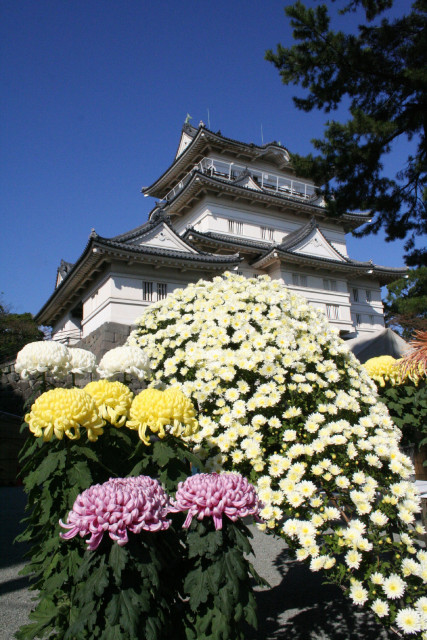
(154, 242)
(306, 246)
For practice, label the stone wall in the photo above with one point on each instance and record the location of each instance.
(106, 337)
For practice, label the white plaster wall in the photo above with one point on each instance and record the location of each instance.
(118, 296)
(68, 330)
(212, 215)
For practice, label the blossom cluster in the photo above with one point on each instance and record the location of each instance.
(124, 360)
(113, 400)
(116, 507)
(384, 369)
(162, 412)
(212, 495)
(60, 412)
(54, 359)
(283, 401)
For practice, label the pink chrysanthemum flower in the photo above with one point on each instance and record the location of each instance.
(212, 495)
(119, 505)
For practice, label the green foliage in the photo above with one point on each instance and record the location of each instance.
(380, 71)
(16, 330)
(123, 592)
(406, 303)
(218, 584)
(54, 473)
(407, 404)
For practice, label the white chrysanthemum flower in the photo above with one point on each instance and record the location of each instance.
(358, 593)
(46, 357)
(380, 607)
(394, 586)
(82, 361)
(124, 360)
(409, 621)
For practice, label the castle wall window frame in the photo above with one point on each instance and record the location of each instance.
(329, 284)
(162, 290)
(235, 227)
(332, 311)
(299, 280)
(368, 295)
(267, 233)
(355, 294)
(358, 319)
(147, 292)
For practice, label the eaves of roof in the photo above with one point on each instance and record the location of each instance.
(194, 153)
(383, 275)
(214, 239)
(100, 251)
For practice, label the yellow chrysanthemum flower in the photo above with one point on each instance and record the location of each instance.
(113, 400)
(382, 369)
(64, 411)
(155, 410)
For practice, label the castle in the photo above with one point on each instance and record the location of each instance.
(223, 205)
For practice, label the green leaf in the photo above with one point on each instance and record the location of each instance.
(129, 614)
(117, 559)
(162, 453)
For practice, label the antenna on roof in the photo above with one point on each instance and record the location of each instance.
(262, 136)
(209, 120)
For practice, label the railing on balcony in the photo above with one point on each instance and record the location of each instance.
(231, 171)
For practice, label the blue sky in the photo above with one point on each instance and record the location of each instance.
(93, 97)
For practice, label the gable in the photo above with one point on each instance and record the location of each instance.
(183, 143)
(315, 244)
(162, 237)
(248, 182)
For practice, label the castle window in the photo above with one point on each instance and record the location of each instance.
(299, 280)
(330, 285)
(368, 295)
(358, 319)
(267, 233)
(148, 291)
(356, 295)
(162, 290)
(235, 227)
(332, 311)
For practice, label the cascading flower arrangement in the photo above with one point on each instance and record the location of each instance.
(282, 401)
(123, 587)
(218, 584)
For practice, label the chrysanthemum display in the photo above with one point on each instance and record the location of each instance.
(116, 507)
(211, 495)
(43, 357)
(383, 369)
(124, 360)
(82, 361)
(62, 412)
(162, 412)
(283, 401)
(113, 400)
